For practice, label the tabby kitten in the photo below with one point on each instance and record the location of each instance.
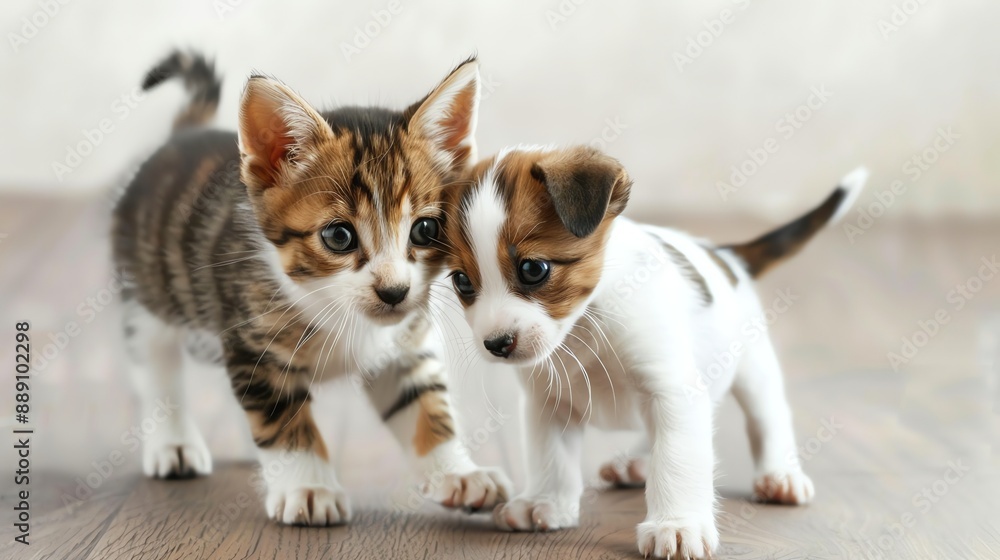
(299, 250)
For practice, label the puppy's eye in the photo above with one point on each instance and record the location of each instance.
(532, 272)
(339, 237)
(463, 284)
(424, 232)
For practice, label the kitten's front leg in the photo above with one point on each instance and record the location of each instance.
(555, 481)
(411, 394)
(301, 486)
(680, 497)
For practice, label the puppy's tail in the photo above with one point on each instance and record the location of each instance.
(200, 81)
(771, 248)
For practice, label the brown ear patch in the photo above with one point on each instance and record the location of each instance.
(533, 227)
(580, 182)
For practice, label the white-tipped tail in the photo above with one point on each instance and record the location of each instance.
(783, 242)
(852, 183)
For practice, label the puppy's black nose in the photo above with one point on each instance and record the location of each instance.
(501, 346)
(393, 294)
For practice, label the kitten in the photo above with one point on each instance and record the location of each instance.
(622, 325)
(299, 250)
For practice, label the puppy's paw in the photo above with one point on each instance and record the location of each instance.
(477, 490)
(628, 473)
(791, 487)
(176, 460)
(536, 514)
(317, 506)
(678, 538)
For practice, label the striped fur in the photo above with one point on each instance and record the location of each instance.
(200, 81)
(222, 234)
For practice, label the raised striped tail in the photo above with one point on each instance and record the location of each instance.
(200, 81)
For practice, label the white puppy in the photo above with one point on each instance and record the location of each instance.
(623, 325)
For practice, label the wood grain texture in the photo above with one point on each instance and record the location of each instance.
(882, 476)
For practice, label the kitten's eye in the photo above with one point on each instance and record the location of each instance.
(339, 238)
(462, 284)
(533, 272)
(424, 232)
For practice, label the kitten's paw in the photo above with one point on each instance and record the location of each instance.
(316, 506)
(678, 538)
(476, 490)
(791, 487)
(628, 473)
(536, 514)
(176, 460)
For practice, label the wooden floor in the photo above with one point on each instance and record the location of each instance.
(905, 460)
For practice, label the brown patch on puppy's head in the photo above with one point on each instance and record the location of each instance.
(352, 199)
(527, 244)
(580, 182)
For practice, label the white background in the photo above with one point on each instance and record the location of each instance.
(560, 72)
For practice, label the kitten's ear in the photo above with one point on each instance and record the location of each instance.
(447, 117)
(278, 132)
(585, 186)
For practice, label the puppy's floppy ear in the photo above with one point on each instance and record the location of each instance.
(585, 186)
(447, 117)
(278, 132)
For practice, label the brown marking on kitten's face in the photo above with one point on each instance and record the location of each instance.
(526, 241)
(352, 200)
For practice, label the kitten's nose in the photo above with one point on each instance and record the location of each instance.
(393, 294)
(502, 345)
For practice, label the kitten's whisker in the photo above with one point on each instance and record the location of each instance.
(307, 334)
(319, 354)
(225, 263)
(266, 348)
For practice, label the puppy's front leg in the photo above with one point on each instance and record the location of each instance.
(555, 480)
(411, 394)
(680, 518)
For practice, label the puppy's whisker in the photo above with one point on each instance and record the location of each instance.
(614, 353)
(590, 400)
(601, 362)
(569, 386)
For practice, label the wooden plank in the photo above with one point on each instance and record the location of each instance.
(63, 525)
(220, 517)
(900, 429)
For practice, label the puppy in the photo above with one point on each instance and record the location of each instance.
(620, 325)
